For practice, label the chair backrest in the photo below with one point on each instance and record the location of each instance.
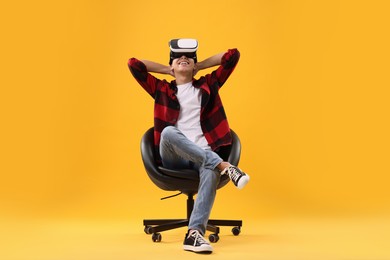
(171, 182)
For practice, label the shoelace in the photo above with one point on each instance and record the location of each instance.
(197, 237)
(234, 174)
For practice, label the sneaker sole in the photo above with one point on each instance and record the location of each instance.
(205, 250)
(242, 182)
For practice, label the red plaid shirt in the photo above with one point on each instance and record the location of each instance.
(166, 106)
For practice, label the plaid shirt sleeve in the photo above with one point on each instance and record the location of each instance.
(145, 79)
(228, 64)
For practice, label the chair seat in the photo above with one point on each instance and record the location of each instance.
(186, 174)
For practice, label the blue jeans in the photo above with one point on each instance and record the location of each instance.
(178, 152)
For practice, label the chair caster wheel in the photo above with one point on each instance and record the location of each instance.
(236, 231)
(148, 230)
(213, 238)
(156, 237)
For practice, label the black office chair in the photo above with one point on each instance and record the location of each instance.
(186, 181)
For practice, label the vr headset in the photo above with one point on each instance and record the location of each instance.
(180, 47)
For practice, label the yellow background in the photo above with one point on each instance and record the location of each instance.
(309, 100)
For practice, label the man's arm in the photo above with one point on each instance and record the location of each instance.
(152, 66)
(227, 61)
(212, 61)
(140, 71)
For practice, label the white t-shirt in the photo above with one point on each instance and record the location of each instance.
(189, 117)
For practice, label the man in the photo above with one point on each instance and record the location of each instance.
(190, 124)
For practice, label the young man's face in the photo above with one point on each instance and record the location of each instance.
(183, 65)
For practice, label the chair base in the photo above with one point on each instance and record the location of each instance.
(155, 226)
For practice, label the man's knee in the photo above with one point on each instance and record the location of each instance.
(169, 133)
